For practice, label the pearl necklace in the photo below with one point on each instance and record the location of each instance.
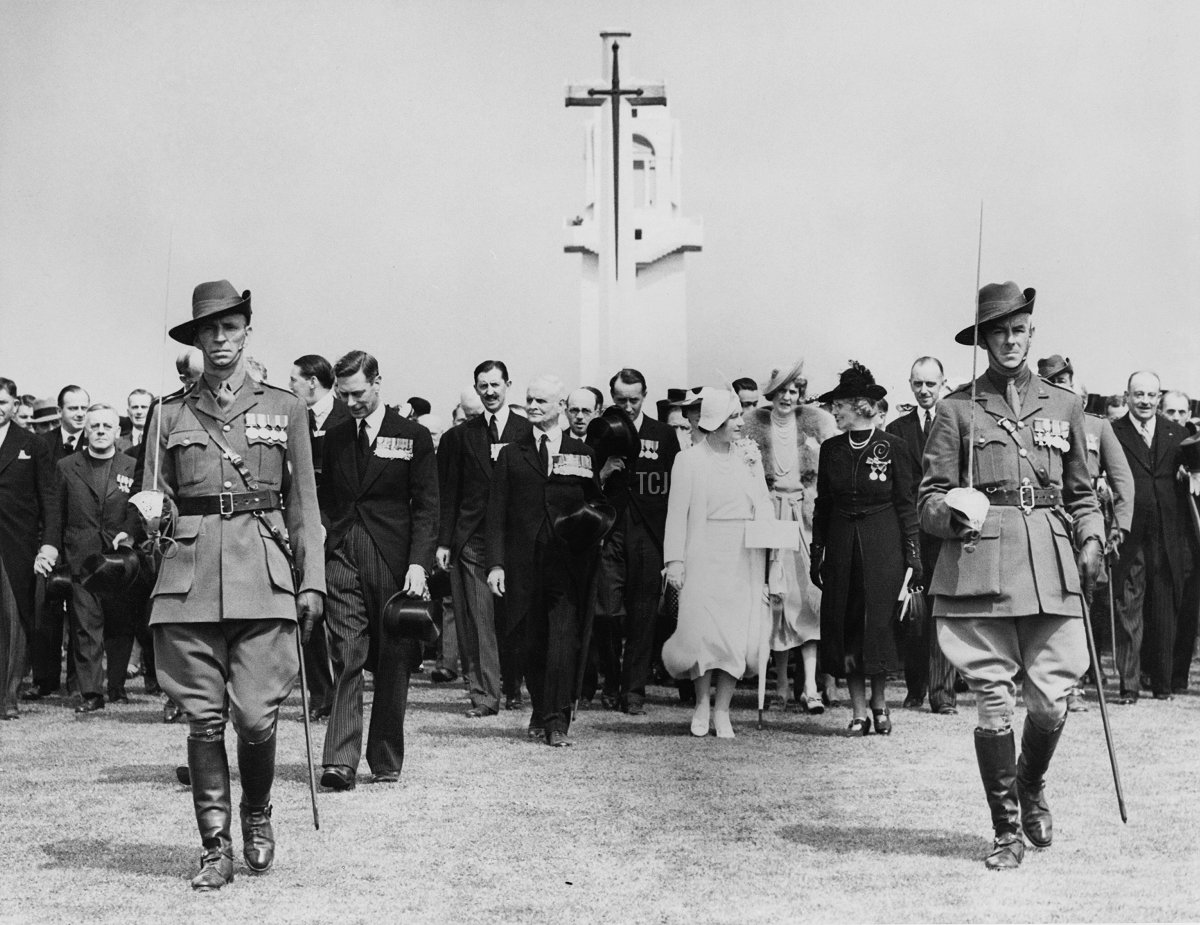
(859, 446)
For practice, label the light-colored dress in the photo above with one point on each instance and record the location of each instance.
(724, 623)
(796, 618)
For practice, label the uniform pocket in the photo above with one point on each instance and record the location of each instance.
(177, 574)
(277, 564)
(188, 449)
(1066, 556)
(960, 573)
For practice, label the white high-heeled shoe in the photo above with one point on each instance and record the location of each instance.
(700, 719)
(722, 724)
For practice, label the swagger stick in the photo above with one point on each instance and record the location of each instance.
(312, 774)
(1108, 739)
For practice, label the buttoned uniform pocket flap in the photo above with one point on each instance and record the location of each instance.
(182, 438)
(188, 527)
(277, 564)
(1066, 556)
(177, 572)
(970, 572)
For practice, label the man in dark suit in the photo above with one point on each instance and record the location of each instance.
(925, 667)
(467, 456)
(631, 563)
(94, 488)
(55, 614)
(543, 476)
(133, 427)
(1160, 551)
(312, 380)
(379, 492)
(28, 508)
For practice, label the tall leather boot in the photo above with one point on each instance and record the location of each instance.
(997, 759)
(257, 765)
(1037, 748)
(209, 769)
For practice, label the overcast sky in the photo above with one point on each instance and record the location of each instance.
(395, 176)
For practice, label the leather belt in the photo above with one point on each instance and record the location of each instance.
(1027, 497)
(228, 503)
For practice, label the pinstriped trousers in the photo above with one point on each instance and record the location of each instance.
(358, 584)
(476, 622)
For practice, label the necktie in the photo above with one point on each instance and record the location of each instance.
(224, 396)
(493, 430)
(1145, 429)
(928, 418)
(364, 448)
(544, 452)
(312, 421)
(1014, 397)
(69, 445)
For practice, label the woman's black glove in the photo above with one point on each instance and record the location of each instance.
(816, 560)
(912, 559)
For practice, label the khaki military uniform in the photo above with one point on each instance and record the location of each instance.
(1011, 603)
(223, 607)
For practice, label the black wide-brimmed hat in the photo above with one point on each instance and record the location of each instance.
(612, 434)
(684, 397)
(585, 527)
(997, 301)
(58, 583)
(1054, 364)
(110, 571)
(854, 382)
(211, 300)
(409, 618)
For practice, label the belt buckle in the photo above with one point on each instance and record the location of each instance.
(226, 500)
(1025, 491)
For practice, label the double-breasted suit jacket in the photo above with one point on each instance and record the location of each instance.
(338, 414)
(1024, 562)
(29, 511)
(89, 521)
(1159, 497)
(470, 459)
(639, 492)
(397, 498)
(231, 568)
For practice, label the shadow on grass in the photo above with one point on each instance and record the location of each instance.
(476, 731)
(136, 717)
(173, 861)
(887, 840)
(141, 773)
(432, 706)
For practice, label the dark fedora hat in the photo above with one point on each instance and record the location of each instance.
(211, 300)
(997, 301)
(855, 382)
(409, 618)
(1054, 364)
(612, 434)
(586, 526)
(1189, 452)
(110, 571)
(58, 583)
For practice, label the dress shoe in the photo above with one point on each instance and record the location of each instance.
(721, 724)
(883, 722)
(9, 713)
(635, 708)
(171, 712)
(813, 706)
(442, 675)
(556, 738)
(702, 719)
(118, 697)
(1163, 695)
(1126, 698)
(535, 731)
(1007, 852)
(337, 777)
(316, 714)
(946, 710)
(1075, 701)
(36, 692)
(859, 726)
(216, 870)
(610, 701)
(183, 775)
(91, 703)
(258, 837)
(480, 712)
(913, 703)
(514, 703)
(385, 777)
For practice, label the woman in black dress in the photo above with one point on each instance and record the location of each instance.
(864, 536)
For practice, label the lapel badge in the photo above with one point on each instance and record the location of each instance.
(495, 449)
(125, 483)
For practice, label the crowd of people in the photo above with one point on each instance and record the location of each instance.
(573, 548)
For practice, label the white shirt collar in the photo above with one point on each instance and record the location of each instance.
(74, 438)
(554, 437)
(321, 408)
(637, 422)
(375, 421)
(4, 430)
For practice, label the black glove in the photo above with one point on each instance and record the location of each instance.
(1090, 560)
(816, 560)
(917, 582)
(912, 559)
(309, 608)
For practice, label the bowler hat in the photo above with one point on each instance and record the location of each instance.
(586, 526)
(781, 376)
(58, 583)
(997, 301)
(1189, 452)
(409, 618)
(45, 411)
(211, 300)
(1054, 364)
(110, 571)
(612, 434)
(855, 382)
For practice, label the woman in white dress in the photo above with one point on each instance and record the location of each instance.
(724, 620)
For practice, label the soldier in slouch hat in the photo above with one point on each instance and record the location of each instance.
(1008, 587)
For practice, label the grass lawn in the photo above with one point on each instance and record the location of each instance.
(638, 822)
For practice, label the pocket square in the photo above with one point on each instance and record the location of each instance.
(23, 455)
